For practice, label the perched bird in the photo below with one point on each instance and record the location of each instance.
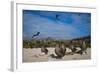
(60, 51)
(83, 47)
(73, 48)
(45, 50)
(35, 34)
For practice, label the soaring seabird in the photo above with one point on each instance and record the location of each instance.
(35, 34)
(57, 16)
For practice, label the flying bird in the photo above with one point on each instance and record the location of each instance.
(57, 16)
(35, 34)
(79, 14)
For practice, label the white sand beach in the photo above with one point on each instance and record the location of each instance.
(35, 55)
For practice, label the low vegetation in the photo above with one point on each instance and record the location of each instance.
(49, 42)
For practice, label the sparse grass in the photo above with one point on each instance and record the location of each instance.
(52, 43)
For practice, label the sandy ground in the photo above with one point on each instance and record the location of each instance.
(35, 55)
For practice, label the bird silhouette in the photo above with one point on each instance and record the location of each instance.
(79, 14)
(35, 34)
(57, 16)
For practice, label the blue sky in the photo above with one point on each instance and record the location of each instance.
(57, 25)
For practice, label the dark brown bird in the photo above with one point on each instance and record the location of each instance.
(43, 49)
(57, 16)
(60, 51)
(35, 34)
